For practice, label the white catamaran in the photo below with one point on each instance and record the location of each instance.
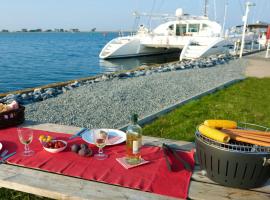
(195, 36)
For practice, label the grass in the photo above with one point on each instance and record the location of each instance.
(247, 101)
(16, 195)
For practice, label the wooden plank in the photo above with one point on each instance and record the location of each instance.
(207, 191)
(199, 177)
(63, 187)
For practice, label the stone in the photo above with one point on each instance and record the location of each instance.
(37, 97)
(50, 91)
(104, 77)
(123, 75)
(148, 73)
(25, 96)
(75, 84)
(45, 96)
(38, 91)
(139, 73)
(64, 89)
(12, 97)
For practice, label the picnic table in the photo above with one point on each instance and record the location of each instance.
(63, 187)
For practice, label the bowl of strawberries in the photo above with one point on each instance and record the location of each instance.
(52, 145)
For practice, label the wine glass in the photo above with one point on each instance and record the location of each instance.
(26, 137)
(100, 138)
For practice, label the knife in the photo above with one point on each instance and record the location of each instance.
(78, 134)
(6, 157)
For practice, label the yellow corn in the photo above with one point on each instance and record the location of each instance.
(220, 123)
(214, 134)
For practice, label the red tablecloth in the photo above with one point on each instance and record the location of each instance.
(153, 177)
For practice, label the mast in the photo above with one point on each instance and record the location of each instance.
(205, 8)
(225, 16)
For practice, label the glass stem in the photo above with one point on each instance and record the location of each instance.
(100, 151)
(26, 147)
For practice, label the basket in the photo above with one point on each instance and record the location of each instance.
(12, 118)
(234, 164)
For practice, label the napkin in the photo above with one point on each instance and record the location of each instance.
(124, 163)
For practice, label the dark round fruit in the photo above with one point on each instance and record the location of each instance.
(83, 152)
(84, 146)
(90, 152)
(75, 148)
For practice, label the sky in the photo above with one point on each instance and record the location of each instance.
(114, 14)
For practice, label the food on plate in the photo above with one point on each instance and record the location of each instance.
(55, 144)
(214, 134)
(8, 107)
(215, 123)
(75, 148)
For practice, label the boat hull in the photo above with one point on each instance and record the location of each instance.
(132, 48)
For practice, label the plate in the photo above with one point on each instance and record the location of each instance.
(115, 136)
(1, 146)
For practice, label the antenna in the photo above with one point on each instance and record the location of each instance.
(215, 10)
(205, 8)
(225, 15)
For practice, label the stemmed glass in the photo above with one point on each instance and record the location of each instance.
(100, 138)
(26, 137)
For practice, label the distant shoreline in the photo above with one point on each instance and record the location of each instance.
(64, 32)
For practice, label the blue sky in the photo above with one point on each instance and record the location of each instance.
(111, 14)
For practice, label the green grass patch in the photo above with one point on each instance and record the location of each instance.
(246, 101)
(16, 195)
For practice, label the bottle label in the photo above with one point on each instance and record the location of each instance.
(135, 147)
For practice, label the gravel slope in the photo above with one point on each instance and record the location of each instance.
(108, 104)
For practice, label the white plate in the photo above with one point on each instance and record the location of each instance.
(1, 146)
(87, 136)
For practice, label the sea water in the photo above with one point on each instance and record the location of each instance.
(34, 59)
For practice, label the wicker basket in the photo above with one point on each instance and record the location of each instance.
(12, 118)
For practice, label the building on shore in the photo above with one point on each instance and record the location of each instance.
(74, 30)
(24, 30)
(36, 30)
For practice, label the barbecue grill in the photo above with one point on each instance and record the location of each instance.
(234, 164)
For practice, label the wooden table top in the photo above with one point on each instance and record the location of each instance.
(63, 187)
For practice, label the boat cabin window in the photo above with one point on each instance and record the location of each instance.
(204, 26)
(170, 29)
(193, 28)
(181, 29)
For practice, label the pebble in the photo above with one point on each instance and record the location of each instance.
(40, 94)
(109, 104)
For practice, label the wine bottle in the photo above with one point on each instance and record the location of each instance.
(134, 141)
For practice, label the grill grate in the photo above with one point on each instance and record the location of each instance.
(236, 146)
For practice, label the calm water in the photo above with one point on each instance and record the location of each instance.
(35, 59)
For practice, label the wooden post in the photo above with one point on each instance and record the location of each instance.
(267, 49)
